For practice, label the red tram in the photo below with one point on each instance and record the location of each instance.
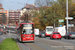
(26, 32)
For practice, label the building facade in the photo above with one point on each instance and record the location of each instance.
(73, 1)
(3, 15)
(1, 7)
(14, 16)
(28, 9)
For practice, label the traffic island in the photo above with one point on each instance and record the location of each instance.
(9, 44)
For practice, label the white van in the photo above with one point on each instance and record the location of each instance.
(61, 30)
(36, 31)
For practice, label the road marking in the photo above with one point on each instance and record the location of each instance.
(58, 41)
(27, 47)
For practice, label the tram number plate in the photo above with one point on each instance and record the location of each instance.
(28, 37)
(56, 36)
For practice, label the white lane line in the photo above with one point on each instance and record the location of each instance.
(58, 41)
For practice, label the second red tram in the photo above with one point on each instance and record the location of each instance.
(26, 32)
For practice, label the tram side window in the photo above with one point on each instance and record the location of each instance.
(23, 32)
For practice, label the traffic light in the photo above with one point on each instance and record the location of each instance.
(4, 27)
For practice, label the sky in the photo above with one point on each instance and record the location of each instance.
(15, 4)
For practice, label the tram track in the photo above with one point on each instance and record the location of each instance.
(27, 46)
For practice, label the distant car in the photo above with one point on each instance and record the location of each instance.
(1, 33)
(55, 35)
(42, 34)
(15, 32)
(4, 31)
(70, 35)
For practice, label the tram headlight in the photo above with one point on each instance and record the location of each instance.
(31, 35)
(23, 36)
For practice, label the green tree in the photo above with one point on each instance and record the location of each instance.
(72, 14)
(50, 15)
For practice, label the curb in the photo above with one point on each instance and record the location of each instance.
(2, 41)
(18, 45)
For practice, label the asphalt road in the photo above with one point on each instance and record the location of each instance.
(43, 43)
(70, 41)
(2, 37)
(47, 44)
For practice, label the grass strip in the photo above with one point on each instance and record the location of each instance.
(9, 44)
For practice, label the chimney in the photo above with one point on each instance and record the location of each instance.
(33, 4)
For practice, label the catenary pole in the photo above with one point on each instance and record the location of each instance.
(67, 13)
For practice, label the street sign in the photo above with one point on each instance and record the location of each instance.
(61, 20)
(69, 18)
(60, 25)
(71, 25)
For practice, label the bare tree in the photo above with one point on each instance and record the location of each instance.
(41, 3)
(25, 17)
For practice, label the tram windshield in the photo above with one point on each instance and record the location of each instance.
(27, 29)
(49, 29)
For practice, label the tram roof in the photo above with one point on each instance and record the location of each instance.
(25, 22)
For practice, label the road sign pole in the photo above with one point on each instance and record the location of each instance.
(9, 32)
(67, 13)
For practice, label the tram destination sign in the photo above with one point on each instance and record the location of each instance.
(27, 25)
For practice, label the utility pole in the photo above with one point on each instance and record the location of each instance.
(67, 13)
(54, 19)
(54, 16)
(27, 17)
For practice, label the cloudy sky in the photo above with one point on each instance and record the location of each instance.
(15, 4)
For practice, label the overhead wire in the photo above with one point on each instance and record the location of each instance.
(27, 1)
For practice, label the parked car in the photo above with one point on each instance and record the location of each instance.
(1, 33)
(70, 35)
(55, 35)
(42, 34)
(4, 32)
